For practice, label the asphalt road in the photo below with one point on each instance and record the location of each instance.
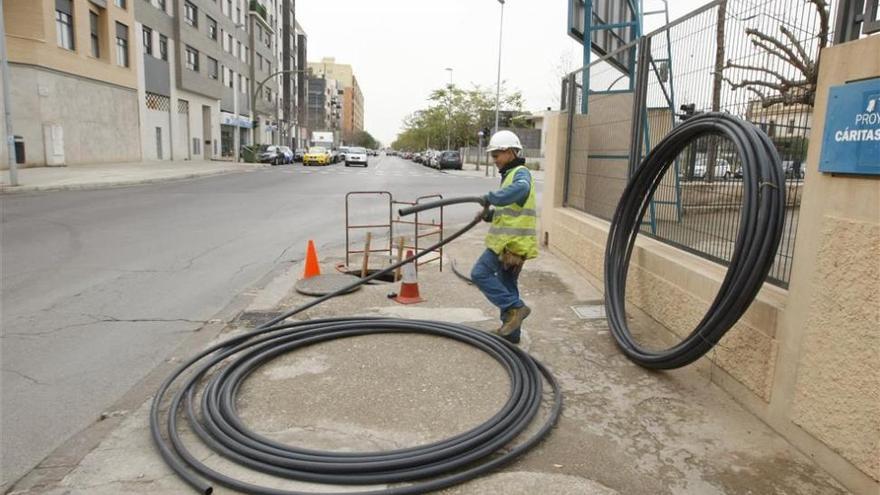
(98, 287)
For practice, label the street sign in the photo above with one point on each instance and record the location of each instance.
(851, 142)
(611, 27)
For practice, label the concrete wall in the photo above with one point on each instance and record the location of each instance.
(804, 360)
(596, 183)
(99, 125)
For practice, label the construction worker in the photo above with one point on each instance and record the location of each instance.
(512, 239)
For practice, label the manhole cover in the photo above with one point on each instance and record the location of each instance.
(591, 310)
(328, 283)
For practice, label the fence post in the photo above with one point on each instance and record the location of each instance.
(572, 88)
(639, 99)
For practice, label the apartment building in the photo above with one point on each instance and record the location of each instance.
(73, 82)
(352, 102)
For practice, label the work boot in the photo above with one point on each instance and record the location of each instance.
(514, 337)
(513, 319)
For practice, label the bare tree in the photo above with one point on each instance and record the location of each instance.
(777, 88)
(717, 77)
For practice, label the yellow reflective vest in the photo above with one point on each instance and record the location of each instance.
(514, 227)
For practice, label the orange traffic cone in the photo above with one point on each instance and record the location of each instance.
(312, 267)
(409, 286)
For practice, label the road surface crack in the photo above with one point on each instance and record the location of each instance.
(26, 377)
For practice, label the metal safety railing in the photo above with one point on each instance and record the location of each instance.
(391, 233)
(755, 59)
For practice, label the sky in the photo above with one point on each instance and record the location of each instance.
(400, 49)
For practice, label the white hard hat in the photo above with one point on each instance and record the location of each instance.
(504, 140)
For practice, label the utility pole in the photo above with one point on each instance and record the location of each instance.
(10, 137)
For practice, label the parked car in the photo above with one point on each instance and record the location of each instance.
(269, 153)
(722, 169)
(343, 150)
(356, 156)
(450, 159)
(793, 169)
(298, 154)
(317, 155)
(287, 153)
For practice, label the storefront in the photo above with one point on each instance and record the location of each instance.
(228, 124)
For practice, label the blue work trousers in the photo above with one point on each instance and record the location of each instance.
(497, 284)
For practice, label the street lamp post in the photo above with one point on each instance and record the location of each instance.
(10, 138)
(498, 80)
(254, 98)
(449, 112)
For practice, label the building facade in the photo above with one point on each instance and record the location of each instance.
(302, 89)
(324, 105)
(352, 118)
(126, 80)
(61, 48)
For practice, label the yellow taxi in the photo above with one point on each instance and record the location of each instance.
(317, 155)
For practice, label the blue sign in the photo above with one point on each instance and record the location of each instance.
(851, 144)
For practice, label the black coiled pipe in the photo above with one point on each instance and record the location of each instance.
(208, 383)
(760, 230)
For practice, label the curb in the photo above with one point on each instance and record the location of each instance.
(7, 189)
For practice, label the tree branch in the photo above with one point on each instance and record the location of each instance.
(822, 9)
(792, 58)
(808, 62)
(731, 65)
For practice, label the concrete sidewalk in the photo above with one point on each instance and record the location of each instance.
(468, 170)
(94, 176)
(624, 430)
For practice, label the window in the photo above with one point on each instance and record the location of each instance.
(268, 67)
(238, 49)
(64, 23)
(162, 6)
(238, 18)
(213, 68)
(231, 76)
(148, 41)
(96, 40)
(121, 44)
(212, 27)
(121, 4)
(259, 32)
(225, 75)
(192, 58)
(191, 13)
(163, 47)
(228, 8)
(240, 82)
(245, 88)
(229, 43)
(260, 59)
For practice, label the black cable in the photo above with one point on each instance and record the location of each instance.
(210, 381)
(760, 230)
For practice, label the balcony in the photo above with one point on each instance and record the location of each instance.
(260, 10)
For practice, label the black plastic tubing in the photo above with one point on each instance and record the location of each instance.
(760, 230)
(207, 384)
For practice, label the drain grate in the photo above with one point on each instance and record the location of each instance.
(590, 310)
(256, 318)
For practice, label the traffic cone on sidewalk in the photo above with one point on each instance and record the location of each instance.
(409, 285)
(312, 266)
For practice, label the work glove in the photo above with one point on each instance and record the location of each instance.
(488, 214)
(511, 261)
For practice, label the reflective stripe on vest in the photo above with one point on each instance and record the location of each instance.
(514, 226)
